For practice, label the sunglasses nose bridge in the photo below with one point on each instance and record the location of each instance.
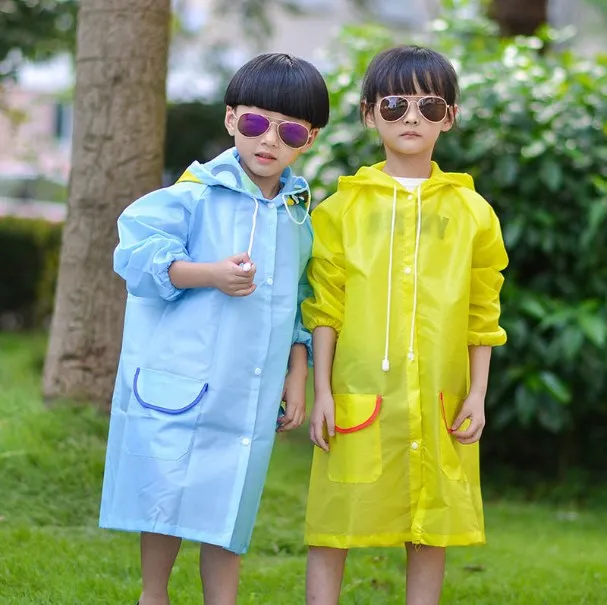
(412, 110)
(271, 135)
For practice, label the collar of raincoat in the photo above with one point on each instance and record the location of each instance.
(374, 176)
(225, 171)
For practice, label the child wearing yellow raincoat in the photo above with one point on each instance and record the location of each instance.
(406, 273)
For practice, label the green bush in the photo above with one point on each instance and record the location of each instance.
(28, 273)
(532, 132)
(194, 131)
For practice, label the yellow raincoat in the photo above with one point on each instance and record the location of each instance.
(409, 280)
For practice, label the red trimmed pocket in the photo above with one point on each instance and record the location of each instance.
(458, 462)
(355, 451)
(365, 423)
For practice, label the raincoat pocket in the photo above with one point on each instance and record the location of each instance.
(162, 414)
(355, 451)
(454, 455)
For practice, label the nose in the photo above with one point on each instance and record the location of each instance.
(412, 115)
(270, 137)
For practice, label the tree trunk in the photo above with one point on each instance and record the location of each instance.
(119, 124)
(519, 17)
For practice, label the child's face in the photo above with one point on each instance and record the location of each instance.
(412, 134)
(264, 156)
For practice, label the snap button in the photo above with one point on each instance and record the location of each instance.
(257, 371)
(414, 445)
(246, 441)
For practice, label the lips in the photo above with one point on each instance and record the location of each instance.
(410, 133)
(265, 156)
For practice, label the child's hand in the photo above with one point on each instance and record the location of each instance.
(231, 278)
(474, 409)
(323, 414)
(294, 396)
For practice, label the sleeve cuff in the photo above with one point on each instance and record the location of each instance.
(324, 322)
(487, 339)
(303, 337)
(166, 289)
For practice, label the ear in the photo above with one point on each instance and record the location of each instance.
(313, 134)
(368, 114)
(230, 121)
(449, 121)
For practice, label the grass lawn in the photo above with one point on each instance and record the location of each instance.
(52, 553)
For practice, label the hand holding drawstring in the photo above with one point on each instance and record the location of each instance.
(230, 277)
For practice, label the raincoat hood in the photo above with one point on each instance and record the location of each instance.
(374, 176)
(226, 171)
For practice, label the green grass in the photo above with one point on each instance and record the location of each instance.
(52, 553)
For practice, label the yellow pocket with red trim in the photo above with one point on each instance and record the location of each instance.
(458, 462)
(355, 451)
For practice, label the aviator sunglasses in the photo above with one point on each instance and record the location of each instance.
(395, 107)
(292, 134)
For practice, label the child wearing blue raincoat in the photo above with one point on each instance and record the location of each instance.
(215, 271)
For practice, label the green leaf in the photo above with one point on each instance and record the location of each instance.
(507, 170)
(535, 149)
(525, 405)
(594, 328)
(571, 341)
(552, 418)
(533, 307)
(556, 387)
(551, 173)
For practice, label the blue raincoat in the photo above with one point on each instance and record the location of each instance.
(201, 373)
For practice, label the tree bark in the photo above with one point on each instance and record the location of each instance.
(519, 17)
(119, 124)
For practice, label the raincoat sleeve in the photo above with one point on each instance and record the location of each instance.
(489, 259)
(300, 334)
(153, 233)
(326, 271)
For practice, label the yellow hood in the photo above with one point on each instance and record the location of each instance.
(374, 176)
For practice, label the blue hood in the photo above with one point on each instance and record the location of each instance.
(225, 171)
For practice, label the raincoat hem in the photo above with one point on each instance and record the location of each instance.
(178, 532)
(389, 540)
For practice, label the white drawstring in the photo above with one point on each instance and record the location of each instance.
(247, 266)
(385, 364)
(418, 233)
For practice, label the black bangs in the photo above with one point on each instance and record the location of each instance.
(410, 70)
(284, 84)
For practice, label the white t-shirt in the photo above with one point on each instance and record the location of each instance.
(409, 184)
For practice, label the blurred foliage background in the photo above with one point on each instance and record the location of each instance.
(35, 29)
